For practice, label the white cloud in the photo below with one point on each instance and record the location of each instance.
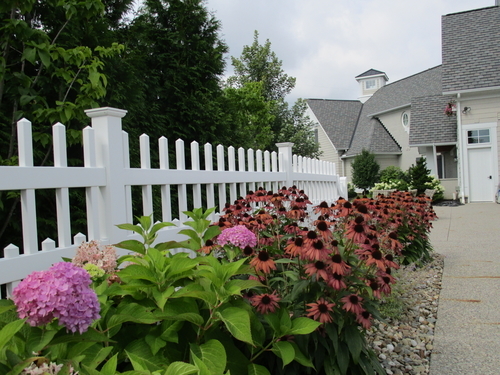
(326, 43)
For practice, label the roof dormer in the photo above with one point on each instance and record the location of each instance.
(369, 82)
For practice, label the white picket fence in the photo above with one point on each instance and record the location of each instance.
(108, 178)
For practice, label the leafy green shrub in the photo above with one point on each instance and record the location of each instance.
(351, 191)
(435, 184)
(392, 173)
(269, 289)
(391, 184)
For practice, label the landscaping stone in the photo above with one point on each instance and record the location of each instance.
(404, 343)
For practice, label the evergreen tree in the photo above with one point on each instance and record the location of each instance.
(420, 175)
(170, 78)
(365, 170)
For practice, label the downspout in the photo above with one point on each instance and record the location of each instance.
(462, 151)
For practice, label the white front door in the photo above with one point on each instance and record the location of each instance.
(481, 175)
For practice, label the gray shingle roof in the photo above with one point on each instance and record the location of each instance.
(370, 72)
(338, 118)
(368, 134)
(429, 124)
(471, 49)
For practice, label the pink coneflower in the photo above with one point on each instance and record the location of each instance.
(292, 228)
(316, 251)
(389, 261)
(296, 213)
(364, 319)
(318, 268)
(345, 209)
(208, 247)
(336, 282)
(320, 311)
(310, 237)
(352, 303)
(363, 211)
(357, 230)
(295, 247)
(263, 262)
(376, 257)
(265, 303)
(374, 287)
(334, 246)
(277, 200)
(248, 251)
(323, 209)
(324, 230)
(392, 242)
(338, 265)
(384, 284)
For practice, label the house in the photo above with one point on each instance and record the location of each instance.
(471, 83)
(380, 124)
(404, 120)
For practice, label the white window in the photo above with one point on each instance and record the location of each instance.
(478, 136)
(405, 121)
(370, 84)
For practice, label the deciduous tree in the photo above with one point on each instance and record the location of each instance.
(258, 63)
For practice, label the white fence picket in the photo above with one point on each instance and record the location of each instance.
(107, 179)
(251, 167)
(209, 167)
(241, 168)
(195, 166)
(62, 194)
(166, 203)
(231, 165)
(28, 202)
(147, 190)
(181, 189)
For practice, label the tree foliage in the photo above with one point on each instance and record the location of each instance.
(420, 176)
(169, 80)
(249, 115)
(258, 63)
(51, 69)
(365, 170)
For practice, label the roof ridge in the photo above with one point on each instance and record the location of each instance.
(413, 75)
(470, 10)
(356, 126)
(336, 100)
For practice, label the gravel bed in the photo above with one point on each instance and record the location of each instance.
(403, 340)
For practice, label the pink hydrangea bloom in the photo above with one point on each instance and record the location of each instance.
(63, 292)
(103, 257)
(239, 236)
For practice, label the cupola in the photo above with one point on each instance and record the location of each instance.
(369, 82)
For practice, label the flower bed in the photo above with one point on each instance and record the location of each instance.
(274, 289)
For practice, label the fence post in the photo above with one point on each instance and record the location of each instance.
(107, 123)
(285, 149)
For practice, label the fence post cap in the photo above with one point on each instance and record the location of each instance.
(284, 144)
(105, 111)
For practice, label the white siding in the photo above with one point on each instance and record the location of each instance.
(394, 125)
(483, 110)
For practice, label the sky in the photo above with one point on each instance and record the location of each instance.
(324, 44)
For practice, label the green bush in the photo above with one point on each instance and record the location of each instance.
(258, 295)
(365, 170)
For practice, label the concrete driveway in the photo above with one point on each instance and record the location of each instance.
(467, 333)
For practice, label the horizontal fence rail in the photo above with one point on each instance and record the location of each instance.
(108, 181)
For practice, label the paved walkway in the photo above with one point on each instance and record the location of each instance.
(467, 333)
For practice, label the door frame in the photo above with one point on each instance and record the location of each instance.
(492, 145)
